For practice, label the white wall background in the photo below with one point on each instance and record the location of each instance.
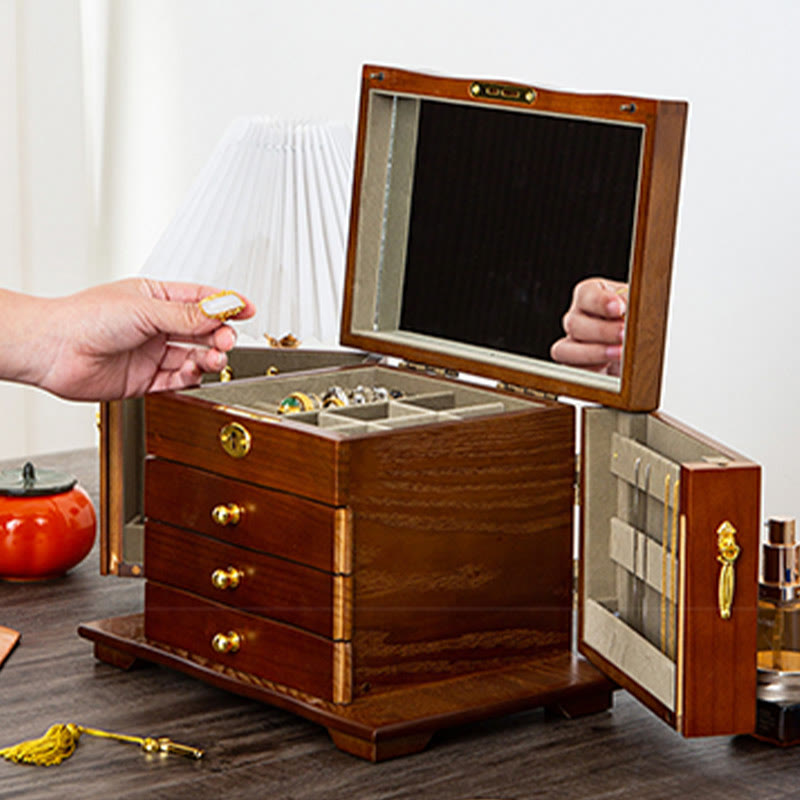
(108, 109)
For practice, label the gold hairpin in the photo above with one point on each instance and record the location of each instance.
(222, 305)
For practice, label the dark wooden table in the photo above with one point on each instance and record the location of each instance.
(255, 751)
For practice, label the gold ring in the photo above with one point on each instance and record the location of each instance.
(298, 401)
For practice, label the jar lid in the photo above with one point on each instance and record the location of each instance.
(30, 482)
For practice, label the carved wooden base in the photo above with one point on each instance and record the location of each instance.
(389, 723)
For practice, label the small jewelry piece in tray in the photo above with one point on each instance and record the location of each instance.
(290, 340)
(222, 306)
(336, 397)
(299, 401)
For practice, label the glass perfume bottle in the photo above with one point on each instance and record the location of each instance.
(778, 638)
(779, 601)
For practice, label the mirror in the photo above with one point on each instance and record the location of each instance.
(491, 216)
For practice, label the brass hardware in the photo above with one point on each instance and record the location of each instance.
(230, 514)
(680, 657)
(165, 745)
(629, 107)
(664, 564)
(228, 578)
(226, 374)
(503, 91)
(272, 370)
(674, 575)
(526, 391)
(428, 369)
(235, 440)
(229, 642)
(728, 553)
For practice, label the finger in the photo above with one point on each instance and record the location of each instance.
(206, 359)
(182, 367)
(585, 328)
(601, 298)
(180, 321)
(187, 376)
(223, 339)
(582, 354)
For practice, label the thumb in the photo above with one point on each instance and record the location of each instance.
(175, 318)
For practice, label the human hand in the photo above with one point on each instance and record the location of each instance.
(594, 327)
(115, 340)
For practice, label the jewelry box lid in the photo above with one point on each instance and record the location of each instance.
(478, 206)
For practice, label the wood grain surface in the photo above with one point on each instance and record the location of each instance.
(462, 546)
(254, 750)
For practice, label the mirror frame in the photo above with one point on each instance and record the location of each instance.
(664, 122)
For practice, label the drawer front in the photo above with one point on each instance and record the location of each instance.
(269, 650)
(275, 522)
(248, 580)
(279, 455)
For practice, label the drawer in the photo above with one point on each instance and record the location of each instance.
(280, 455)
(249, 580)
(275, 522)
(267, 649)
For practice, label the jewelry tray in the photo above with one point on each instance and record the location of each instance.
(424, 400)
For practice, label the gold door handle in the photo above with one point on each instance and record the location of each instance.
(229, 642)
(728, 553)
(227, 514)
(228, 578)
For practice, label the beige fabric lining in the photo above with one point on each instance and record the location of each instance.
(628, 651)
(622, 602)
(426, 399)
(621, 550)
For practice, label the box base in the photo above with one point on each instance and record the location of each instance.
(387, 724)
(778, 722)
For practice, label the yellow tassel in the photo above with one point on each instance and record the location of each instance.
(60, 742)
(57, 744)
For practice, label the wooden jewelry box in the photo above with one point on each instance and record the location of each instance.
(395, 553)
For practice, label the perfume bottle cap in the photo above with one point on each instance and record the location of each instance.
(781, 553)
(781, 530)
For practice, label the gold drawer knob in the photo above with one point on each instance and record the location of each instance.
(235, 440)
(229, 642)
(227, 514)
(226, 578)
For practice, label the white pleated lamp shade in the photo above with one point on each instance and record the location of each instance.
(267, 217)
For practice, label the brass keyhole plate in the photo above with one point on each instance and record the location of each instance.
(235, 440)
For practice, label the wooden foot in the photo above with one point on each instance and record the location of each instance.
(110, 655)
(581, 705)
(381, 750)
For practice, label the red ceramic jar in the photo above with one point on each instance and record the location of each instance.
(47, 524)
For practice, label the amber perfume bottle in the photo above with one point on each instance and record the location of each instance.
(779, 599)
(778, 703)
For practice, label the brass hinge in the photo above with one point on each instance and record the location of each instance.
(427, 369)
(526, 391)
